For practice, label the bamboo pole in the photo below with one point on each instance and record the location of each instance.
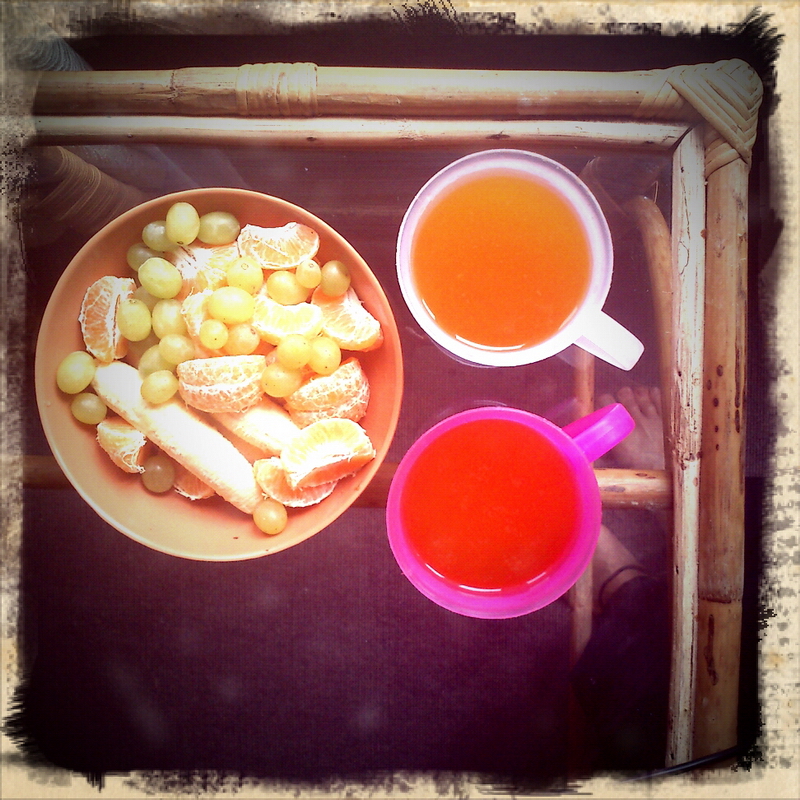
(721, 577)
(354, 132)
(580, 595)
(310, 90)
(657, 243)
(581, 592)
(619, 488)
(685, 404)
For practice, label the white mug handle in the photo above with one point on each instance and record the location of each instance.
(605, 338)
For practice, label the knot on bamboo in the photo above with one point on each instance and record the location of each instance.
(83, 195)
(726, 94)
(277, 90)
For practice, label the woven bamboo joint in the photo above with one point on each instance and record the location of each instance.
(726, 94)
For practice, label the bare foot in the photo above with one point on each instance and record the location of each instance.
(643, 448)
(610, 556)
(613, 565)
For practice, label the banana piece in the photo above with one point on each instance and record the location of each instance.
(265, 425)
(181, 434)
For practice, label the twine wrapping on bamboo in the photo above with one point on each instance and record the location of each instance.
(277, 89)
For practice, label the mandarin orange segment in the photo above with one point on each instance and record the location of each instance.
(279, 248)
(125, 445)
(273, 321)
(194, 309)
(343, 394)
(203, 267)
(347, 322)
(271, 478)
(326, 451)
(189, 485)
(98, 317)
(223, 383)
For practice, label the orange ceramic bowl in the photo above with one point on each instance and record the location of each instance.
(211, 529)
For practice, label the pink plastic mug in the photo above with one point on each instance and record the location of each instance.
(490, 548)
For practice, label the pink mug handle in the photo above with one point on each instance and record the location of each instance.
(596, 433)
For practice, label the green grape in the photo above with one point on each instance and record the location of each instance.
(154, 236)
(159, 386)
(335, 279)
(176, 348)
(270, 516)
(182, 223)
(88, 408)
(293, 351)
(230, 304)
(168, 317)
(75, 372)
(133, 319)
(152, 361)
(160, 278)
(245, 274)
(218, 227)
(137, 349)
(159, 473)
(139, 253)
(140, 293)
(278, 381)
(242, 339)
(308, 274)
(283, 288)
(213, 334)
(325, 356)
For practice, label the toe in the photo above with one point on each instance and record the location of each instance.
(655, 398)
(627, 397)
(605, 400)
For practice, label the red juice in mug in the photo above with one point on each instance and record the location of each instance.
(491, 504)
(494, 512)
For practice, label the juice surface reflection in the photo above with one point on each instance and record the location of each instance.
(491, 504)
(501, 261)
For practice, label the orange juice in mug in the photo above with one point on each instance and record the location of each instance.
(504, 257)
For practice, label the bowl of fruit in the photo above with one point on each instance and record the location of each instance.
(219, 374)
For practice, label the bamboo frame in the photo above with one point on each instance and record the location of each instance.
(706, 114)
(358, 132)
(684, 422)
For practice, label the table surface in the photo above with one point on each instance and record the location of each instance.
(322, 660)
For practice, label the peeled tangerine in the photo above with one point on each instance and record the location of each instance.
(224, 383)
(347, 322)
(271, 477)
(201, 267)
(278, 248)
(126, 446)
(343, 394)
(98, 317)
(326, 451)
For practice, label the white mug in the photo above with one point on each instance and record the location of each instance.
(589, 327)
